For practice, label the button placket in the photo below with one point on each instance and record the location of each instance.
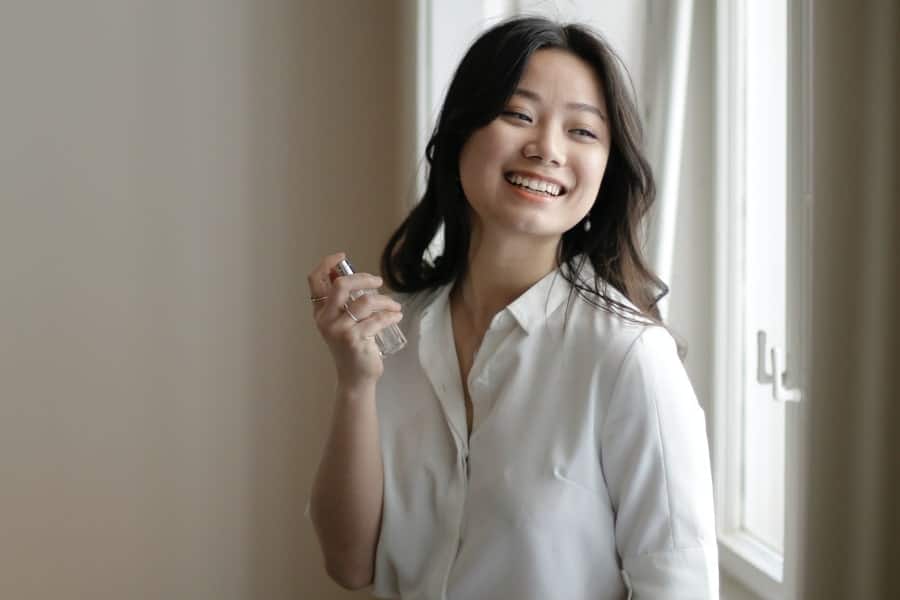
(484, 368)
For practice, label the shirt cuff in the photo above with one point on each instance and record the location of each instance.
(686, 573)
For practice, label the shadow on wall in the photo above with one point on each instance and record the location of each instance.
(324, 106)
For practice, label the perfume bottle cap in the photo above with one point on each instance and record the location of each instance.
(344, 268)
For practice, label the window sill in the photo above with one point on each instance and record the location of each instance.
(752, 563)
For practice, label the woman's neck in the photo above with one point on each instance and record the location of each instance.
(497, 274)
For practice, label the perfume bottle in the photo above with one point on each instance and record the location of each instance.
(390, 339)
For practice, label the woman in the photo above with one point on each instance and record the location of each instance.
(538, 436)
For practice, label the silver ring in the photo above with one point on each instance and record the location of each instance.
(318, 299)
(350, 312)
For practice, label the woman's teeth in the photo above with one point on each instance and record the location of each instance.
(535, 185)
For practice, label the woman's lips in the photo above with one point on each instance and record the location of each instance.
(538, 197)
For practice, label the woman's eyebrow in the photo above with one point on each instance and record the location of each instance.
(573, 105)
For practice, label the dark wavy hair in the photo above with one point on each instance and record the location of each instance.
(481, 86)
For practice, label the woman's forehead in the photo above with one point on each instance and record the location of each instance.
(556, 75)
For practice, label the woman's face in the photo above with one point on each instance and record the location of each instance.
(553, 135)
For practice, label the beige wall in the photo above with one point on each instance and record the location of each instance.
(169, 173)
(852, 517)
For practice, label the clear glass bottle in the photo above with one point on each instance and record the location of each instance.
(390, 340)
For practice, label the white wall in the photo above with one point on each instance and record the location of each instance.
(169, 173)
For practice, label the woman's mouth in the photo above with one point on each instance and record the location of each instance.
(535, 186)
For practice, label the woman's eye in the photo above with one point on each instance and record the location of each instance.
(584, 133)
(517, 115)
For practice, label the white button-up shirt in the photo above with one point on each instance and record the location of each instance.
(586, 475)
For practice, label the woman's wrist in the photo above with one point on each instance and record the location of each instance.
(356, 391)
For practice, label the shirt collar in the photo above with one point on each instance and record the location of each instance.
(529, 310)
(540, 301)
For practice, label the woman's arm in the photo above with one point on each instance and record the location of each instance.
(346, 501)
(655, 457)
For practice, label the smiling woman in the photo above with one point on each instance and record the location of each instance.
(540, 140)
(583, 100)
(538, 436)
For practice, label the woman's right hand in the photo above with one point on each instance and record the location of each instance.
(351, 341)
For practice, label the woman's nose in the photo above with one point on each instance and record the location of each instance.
(545, 147)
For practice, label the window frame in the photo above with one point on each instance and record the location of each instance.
(749, 561)
(740, 555)
(763, 571)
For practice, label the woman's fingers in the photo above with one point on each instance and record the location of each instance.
(319, 280)
(362, 310)
(347, 318)
(342, 287)
(351, 339)
(369, 304)
(377, 322)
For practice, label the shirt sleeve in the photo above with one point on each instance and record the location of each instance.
(655, 458)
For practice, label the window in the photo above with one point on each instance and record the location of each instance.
(761, 280)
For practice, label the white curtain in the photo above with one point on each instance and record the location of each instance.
(665, 77)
